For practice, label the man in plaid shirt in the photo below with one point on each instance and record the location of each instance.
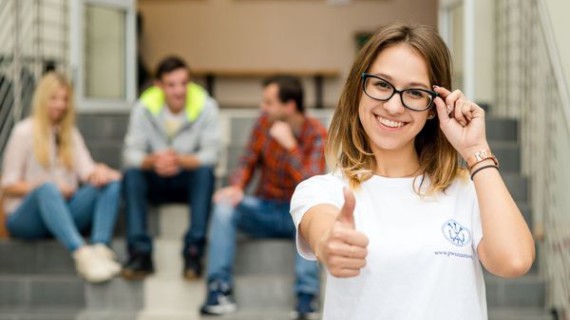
(287, 147)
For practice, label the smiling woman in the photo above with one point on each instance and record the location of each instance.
(397, 211)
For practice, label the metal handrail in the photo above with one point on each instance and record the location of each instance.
(26, 47)
(556, 62)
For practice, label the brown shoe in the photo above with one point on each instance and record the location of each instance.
(192, 268)
(138, 267)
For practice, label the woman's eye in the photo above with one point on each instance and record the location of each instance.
(381, 84)
(415, 93)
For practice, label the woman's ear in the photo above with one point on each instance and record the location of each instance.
(431, 115)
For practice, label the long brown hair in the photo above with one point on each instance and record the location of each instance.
(348, 146)
(43, 127)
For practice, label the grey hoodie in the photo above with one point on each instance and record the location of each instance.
(147, 134)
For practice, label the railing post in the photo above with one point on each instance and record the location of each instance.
(17, 66)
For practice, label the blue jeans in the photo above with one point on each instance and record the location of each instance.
(259, 218)
(44, 212)
(194, 187)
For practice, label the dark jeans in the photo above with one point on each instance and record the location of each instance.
(259, 218)
(194, 187)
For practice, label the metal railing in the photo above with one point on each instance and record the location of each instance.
(33, 39)
(531, 87)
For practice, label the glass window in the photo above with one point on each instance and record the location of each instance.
(104, 52)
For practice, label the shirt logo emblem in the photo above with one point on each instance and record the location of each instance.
(456, 233)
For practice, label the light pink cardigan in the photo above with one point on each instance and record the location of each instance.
(20, 162)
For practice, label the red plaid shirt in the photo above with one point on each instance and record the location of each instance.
(281, 170)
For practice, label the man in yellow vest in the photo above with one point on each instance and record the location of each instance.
(170, 150)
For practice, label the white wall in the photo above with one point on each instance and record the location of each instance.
(268, 34)
(559, 10)
(484, 51)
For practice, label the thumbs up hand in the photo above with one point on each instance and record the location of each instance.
(343, 249)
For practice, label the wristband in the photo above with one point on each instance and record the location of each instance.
(483, 167)
(480, 156)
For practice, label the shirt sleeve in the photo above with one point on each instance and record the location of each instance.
(15, 156)
(209, 149)
(323, 189)
(83, 163)
(136, 143)
(309, 161)
(250, 158)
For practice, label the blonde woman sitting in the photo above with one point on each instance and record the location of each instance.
(53, 187)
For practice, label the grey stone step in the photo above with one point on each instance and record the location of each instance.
(528, 291)
(508, 154)
(520, 313)
(117, 296)
(106, 151)
(103, 126)
(265, 256)
(518, 186)
(38, 314)
(107, 315)
(264, 293)
(47, 291)
(254, 315)
(501, 129)
(34, 257)
(41, 257)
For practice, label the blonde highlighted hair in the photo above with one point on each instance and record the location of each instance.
(348, 146)
(43, 128)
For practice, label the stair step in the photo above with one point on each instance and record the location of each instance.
(103, 126)
(33, 291)
(255, 315)
(177, 295)
(171, 315)
(527, 291)
(107, 315)
(265, 256)
(263, 292)
(38, 313)
(239, 315)
(34, 257)
(116, 296)
(501, 129)
(508, 154)
(517, 185)
(42, 257)
(519, 313)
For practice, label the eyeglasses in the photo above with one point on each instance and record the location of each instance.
(412, 98)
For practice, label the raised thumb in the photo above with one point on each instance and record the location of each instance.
(346, 215)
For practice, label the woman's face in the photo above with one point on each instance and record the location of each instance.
(57, 105)
(388, 124)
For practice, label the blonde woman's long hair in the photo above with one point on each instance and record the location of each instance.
(43, 128)
(348, 146)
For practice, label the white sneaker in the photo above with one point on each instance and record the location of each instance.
(90, 266)
(108, 256)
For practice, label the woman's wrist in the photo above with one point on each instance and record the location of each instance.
(469, 152)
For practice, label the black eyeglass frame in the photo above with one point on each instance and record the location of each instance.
(432, 94)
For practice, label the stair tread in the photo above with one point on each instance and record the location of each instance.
(519, 313)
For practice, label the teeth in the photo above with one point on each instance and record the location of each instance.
(390, 123)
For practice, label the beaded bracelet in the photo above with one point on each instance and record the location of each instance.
(483, 167)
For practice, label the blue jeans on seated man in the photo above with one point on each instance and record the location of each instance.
(258, 218)
(194, 187)
(44, 212)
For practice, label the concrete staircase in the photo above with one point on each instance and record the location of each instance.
(522, 298)
(37, 279)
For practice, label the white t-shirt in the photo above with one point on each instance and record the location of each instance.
(173, 121)
(422, 258)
